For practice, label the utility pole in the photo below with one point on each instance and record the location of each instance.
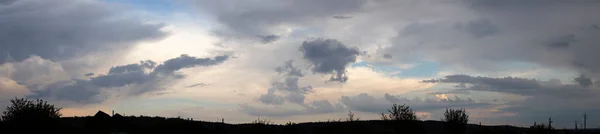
(584, 121)
(550, 123)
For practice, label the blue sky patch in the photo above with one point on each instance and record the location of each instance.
(421, 69)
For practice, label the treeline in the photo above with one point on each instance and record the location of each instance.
(27, 116)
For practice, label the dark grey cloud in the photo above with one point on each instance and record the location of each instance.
(122, 78)
(268, 38)
(499, 83)
(366, 103)
(584, 81)
(77, 90)
(479, 28)
(271, 98)
(329, 56)
(595, 26)
(296, 98)
(138, 67)
(342, 17)
(197, 85)
(323, 106)
(387, 56)
(289, 69)
(145, 73)
(459, 91)
(249, 18)
(89, 74)
(186, 61)
(6, 2)
(562, 42)
(520, 86)
(58, 30)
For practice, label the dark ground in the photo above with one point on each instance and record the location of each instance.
(103, 123)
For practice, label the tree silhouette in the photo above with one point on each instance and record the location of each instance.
(22, 109)
(457, 116)
(400, 112)
(456, 120)
(23, 114)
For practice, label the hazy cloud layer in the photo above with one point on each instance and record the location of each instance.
(252, 18)
(329, 56)
(499, 83)
(520, 86)
(57, 30)
(315, 107)
(366, 103)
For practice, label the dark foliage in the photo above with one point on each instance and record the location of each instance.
(541, 129)
(456, 116)
(102, 123)
(456, 120)
(27, 110)
(23, 114)
(400, 112)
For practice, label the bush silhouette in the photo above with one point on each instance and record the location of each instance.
(262, 121)
(540, 129)
(456, 120)
(351, 117)
(400, 113)
(37, 114)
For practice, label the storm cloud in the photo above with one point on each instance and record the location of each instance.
(329, 56)
(145, 75)
(58, 30)
(502, 33)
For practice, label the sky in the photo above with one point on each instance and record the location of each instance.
(509, 62)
